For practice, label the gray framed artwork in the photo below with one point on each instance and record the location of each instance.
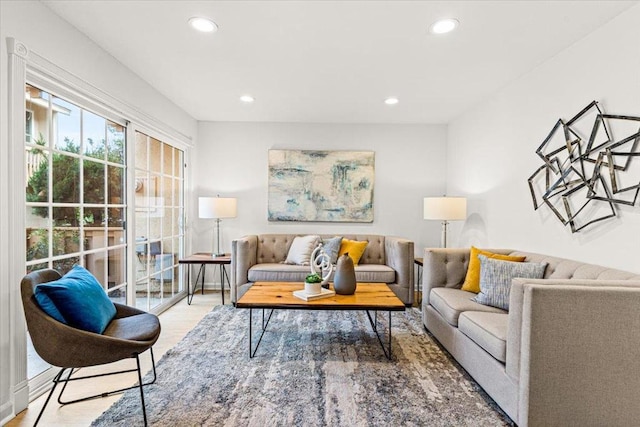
(322, 186)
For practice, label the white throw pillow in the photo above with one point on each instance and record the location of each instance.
(301, 248)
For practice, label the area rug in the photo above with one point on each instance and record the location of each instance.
(313, 368)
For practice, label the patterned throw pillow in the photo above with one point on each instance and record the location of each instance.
(332, 247)
(496, 276)
(472, 280)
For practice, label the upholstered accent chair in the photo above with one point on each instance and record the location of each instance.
(130, 333)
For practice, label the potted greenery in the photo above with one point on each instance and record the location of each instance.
(312, 284)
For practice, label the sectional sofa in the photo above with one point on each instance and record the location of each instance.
(567, 353)
(260, 258)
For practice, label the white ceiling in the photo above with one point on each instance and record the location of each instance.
(333, 61)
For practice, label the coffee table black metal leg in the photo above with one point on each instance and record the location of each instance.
(252, 351)
(374, 325)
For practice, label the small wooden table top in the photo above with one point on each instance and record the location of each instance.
(205, 258)
(368, 296)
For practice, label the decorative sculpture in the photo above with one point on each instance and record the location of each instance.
(321, 264)
(573, 169)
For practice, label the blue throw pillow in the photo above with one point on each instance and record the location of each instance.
(332, 248)
(496, 276)
(78, 300)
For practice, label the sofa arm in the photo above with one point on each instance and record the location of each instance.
(243, 257)
(399, 255)
(516, 301)
(579, 355)
(443, 268)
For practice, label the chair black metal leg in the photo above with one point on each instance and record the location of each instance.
(55, 384)
(144, 409)
(107, 393)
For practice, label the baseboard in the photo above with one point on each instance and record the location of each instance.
(6, 413)
(214, 286)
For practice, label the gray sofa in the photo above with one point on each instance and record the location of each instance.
(259, 258)
(566, 354)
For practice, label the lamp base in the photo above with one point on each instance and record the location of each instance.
(217, 255)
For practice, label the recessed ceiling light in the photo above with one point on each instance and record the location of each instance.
(247, 98)
(203, 24)
(391, 100)
(443, 26)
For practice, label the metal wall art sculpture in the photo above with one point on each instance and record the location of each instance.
(591, 165)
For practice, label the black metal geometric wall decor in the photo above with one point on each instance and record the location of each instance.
(591, 163)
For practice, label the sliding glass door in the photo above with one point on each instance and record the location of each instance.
(159, 212)
(75, 194)
(77, 210)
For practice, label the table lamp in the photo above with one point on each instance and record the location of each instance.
(445, 209)
(217, 208)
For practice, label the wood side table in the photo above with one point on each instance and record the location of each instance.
(203, 259)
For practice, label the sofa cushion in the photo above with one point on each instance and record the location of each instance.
(496, 276)
(488, 330)
(271, 272)
(301, 248)
(451, 302)
(472, 279)
(375, 273)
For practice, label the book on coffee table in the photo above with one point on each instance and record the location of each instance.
(324, 293)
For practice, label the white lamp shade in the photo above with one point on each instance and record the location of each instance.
(445, 208)
(217, 207)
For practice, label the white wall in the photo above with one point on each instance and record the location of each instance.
(232, 162)
(43, 32)
(491, 149)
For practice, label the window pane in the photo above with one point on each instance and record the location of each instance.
(115, 143)
(37, 170)
(36, 267)
(155, 155)
(64, 265)
(66, 240)
(66, 125)
(167, 167)
(94, 238)
(96, 263)
(118, 295)
(141, 151)
(167, 191)
(177, 163)
(93, 132)
(66, 179)
(37, 105)
(37, 243)
(115, 185)
(116, 268)
(93, 182)
(116, 219)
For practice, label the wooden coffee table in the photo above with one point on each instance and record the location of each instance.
(370, 297)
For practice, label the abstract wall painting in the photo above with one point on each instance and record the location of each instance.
(322, 186)
(591, 164)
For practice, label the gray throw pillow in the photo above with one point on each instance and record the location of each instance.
(332, 247)
(496, 276)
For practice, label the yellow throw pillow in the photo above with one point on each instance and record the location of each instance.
(355, 249)
(472, 280)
